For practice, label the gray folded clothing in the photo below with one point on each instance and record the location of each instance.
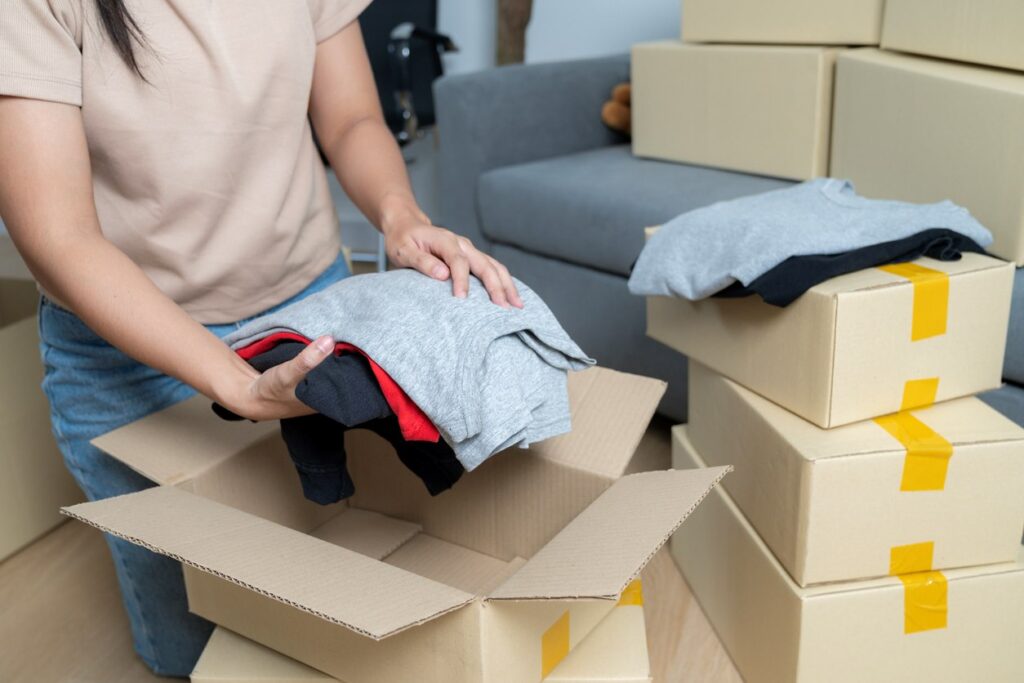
(487, 377)
(704, 251)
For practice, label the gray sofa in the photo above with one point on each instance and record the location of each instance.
(530, 174)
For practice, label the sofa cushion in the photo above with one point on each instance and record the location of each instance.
(1013, 370)
(1008, 400)
(590, 208)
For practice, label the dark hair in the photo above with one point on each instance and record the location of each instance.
(122, 30)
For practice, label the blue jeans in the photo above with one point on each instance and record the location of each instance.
(93, 388)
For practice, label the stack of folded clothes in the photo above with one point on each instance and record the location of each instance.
(779, 244)
(448, 381)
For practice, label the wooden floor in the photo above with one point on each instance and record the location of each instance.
(61, 619)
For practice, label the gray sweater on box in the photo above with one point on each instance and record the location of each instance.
(488, 377)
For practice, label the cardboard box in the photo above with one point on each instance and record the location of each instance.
(757, 109)
(924, 130)
(954, 626)
(34, 483)
(982, 31)
(803, 487)
(495, 580)
(857, 346)
(614, 652)
(808, 22)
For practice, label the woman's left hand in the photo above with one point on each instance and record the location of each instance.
(413, 242)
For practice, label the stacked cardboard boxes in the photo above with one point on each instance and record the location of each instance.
(750, 89)
(871, 530)
(499, 579)
(924, 128)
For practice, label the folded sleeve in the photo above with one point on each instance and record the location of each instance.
(40, 57)
(330, 16)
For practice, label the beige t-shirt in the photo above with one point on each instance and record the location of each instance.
(206, 175)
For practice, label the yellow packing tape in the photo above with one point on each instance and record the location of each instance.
(931, 298)
(919, 393)
(928, 453)
(925, 592)
(633, 595)
(554, 645)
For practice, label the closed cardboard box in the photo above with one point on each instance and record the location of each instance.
(948, 627)
(924, 130)
(758, 109)
(904, 479)
(495, 580)
(809, 22)
(857, 346)
(34, 483)
(614, 652)
(983, 31)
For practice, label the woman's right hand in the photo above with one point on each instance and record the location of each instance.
(271, 395)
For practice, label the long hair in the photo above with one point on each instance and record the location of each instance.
(122, 30)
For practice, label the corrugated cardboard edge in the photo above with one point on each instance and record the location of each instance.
(506, 593)
(207, 570)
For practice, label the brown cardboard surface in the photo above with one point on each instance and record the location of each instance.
(924, 130)
(776, 631)
(245, 535)
(758, 109)
(34, 482)
(982, 31)
(813, 22)
(802, 487)
(843, 352)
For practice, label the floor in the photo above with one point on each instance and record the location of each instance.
(61, 619)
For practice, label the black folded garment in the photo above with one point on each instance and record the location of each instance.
(783, 284)
(346, 395)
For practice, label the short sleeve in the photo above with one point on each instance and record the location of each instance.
(40, 57)
(330, 16)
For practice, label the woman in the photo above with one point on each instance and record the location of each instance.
(159, 177)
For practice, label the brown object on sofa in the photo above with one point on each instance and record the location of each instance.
(616, 112)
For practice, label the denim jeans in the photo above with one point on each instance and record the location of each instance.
(93, 388)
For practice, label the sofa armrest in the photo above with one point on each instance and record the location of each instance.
(512, 115)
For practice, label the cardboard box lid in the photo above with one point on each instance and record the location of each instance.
(625, 526)
(187, 439)
(963, 421)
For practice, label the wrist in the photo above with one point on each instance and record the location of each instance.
(231, 386)
(399, 211)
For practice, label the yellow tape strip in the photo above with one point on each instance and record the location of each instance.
(925, 592)
(919, 393)
(554, 645)
(931, 298)
(633, 595)
(928, 453)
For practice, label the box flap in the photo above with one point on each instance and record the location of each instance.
(606, 546)
(178, 444)
(453, 565)
(231, 658)
(333, 583)
(598, 397)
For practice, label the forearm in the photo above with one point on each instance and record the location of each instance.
(122, 305)
(369, 166)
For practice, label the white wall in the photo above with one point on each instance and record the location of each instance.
(573, 29)
(472, 25)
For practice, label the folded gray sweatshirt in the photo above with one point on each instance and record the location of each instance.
(487, 377)
(704, 251)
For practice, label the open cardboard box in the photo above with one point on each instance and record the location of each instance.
(494, 580)
(948, 627)
(953, 479)
(859, 345)
(34, 483)
(614, 652)
(763, 109)
(923, 130)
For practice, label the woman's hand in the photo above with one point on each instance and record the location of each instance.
(411, 241)
(271, 395)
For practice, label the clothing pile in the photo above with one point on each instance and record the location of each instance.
(447, 381)
(781, 243)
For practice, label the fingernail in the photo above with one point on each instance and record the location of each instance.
(325, 344)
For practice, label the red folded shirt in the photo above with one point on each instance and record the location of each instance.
(413, 422)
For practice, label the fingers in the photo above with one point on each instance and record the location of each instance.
(511, 293)
(280, 381)
(483, 267)
(454, 255)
